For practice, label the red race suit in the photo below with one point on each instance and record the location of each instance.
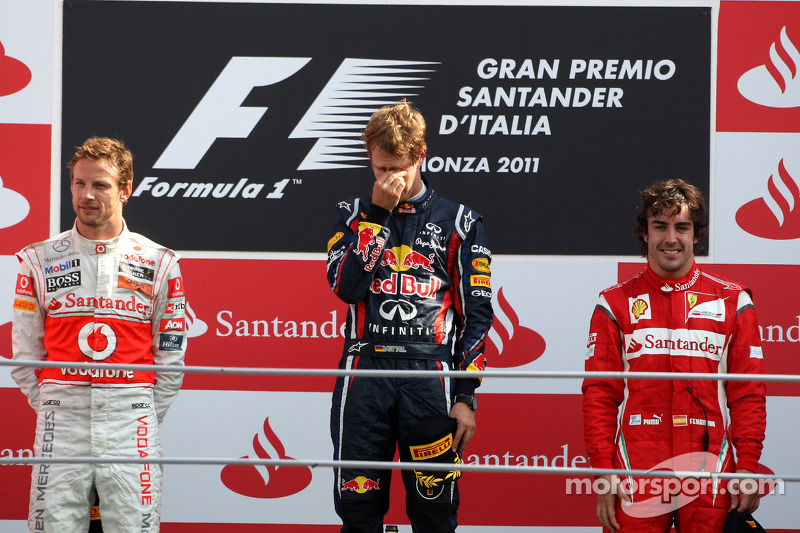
(700, 324)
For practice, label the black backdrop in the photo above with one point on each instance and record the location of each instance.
(137, 70)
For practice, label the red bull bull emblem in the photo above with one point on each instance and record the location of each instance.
(361, 485)
(415, 259)
(405, 258)
(365, 238)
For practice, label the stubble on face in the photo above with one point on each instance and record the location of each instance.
(670, 242)
(97, 198)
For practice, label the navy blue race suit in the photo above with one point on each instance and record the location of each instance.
(417, 281)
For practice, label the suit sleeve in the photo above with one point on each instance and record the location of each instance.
(746, 399)
(602, 397)
(355, 248)
(27, 333)
(471, 273)
(169, 338)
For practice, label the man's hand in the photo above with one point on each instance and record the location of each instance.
(388, 189)
(744, 496)
(466, 425)
(607, 502)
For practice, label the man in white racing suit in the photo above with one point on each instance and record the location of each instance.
(98, 293)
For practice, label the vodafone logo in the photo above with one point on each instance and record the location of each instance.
(266, 481)
(510, 344)
(777, 82)
(14, 74)
(776, 215)
(97, 341)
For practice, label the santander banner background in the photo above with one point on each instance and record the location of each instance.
(545, 117)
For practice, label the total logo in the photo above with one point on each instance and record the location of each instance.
(510, 344)
(777, 82)
(266, 481)
(335, 118)
(776, 215)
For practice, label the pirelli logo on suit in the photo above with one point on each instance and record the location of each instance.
(434, 449)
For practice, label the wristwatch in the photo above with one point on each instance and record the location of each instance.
(469, 399)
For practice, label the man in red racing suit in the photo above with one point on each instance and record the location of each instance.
(414, 268)
(673, 317)
(98, 293)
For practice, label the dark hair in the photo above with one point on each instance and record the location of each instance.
(666, 195)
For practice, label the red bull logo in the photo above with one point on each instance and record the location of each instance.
(364, 239)
(361, 485)
(408, 286)
(417, 260)
(405, 258)
(389, 258)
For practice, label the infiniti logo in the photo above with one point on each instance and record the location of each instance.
(390, 308)
(433, 227)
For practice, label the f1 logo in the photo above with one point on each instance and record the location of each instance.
(220, 113)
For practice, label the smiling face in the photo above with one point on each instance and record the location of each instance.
(670, 242)
(97, 199)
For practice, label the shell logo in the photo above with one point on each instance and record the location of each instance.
(638, 308)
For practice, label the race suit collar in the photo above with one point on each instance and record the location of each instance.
(408, 207)
(93, 247)
(673, 284)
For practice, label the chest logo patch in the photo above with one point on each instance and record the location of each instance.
(639, 308)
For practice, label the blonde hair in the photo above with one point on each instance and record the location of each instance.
(397, 129)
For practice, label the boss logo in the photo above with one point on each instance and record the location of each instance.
(73, 279)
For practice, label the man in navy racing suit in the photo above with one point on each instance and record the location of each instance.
(414, 269)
